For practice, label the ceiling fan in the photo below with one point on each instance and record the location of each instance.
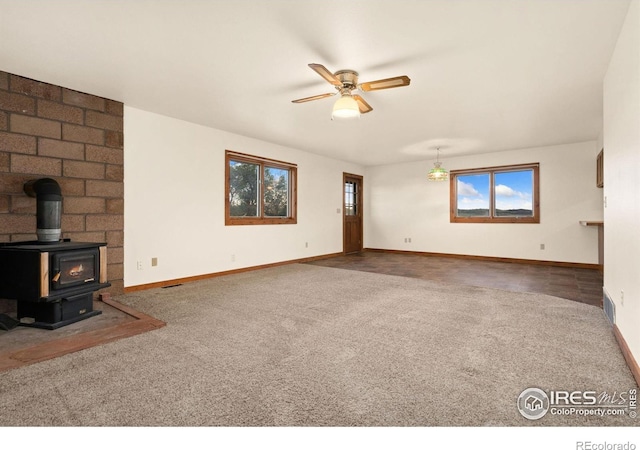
(346, 81)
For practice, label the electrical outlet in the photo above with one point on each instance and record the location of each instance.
(621, 297)
(140, 265)
(154, 262)
(306, 245)
(338, 210)
(409, 240)
(541, 246)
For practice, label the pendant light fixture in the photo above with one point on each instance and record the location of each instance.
(438, 173)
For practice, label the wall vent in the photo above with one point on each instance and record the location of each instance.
(609, 307)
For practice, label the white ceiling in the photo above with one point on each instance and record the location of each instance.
(486, 75)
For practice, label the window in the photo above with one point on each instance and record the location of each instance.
(351, 205)
(506, 194)
(259, 190)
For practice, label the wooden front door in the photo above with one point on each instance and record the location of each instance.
(352, 213)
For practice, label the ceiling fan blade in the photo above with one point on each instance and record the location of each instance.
(362, 105)
(315, 97)
(387, 83)
(326, 74)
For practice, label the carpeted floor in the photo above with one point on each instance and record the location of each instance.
(300, 345)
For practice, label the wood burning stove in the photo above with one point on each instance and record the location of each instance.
(53, 282)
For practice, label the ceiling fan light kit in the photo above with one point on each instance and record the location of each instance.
(351, 105)
(346, 107)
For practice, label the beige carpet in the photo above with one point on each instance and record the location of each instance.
(301, 345)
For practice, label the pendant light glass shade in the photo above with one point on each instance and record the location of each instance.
(345, 108)
(438, 173)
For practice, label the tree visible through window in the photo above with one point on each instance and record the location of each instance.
(497, 194)
(243, 189)
(276, 192)
(259, 190)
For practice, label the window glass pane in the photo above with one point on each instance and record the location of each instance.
(276, 192)
(472, 193)
(513, 193)
(350, 199)
(244, 189)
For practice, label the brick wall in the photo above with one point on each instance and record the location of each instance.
(76, 139)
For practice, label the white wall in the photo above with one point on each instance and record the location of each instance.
(401, 203)
(174, 202)
(621, 136)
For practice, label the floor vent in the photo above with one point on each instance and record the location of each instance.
(609, 307)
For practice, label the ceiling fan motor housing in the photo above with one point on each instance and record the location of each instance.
(348, 78)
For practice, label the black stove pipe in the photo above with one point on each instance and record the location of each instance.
(49, 208)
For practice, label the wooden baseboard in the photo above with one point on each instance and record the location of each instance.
(628, 356)
(165, 283)
(173, 282)
(490, 258)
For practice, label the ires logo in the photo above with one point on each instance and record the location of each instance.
(534, 403)
(574, 398)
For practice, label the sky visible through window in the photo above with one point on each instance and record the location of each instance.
(513, 193)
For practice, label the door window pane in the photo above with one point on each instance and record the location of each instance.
(350, 198)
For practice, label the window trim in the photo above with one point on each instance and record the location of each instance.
(262, 162)
(453, 191)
